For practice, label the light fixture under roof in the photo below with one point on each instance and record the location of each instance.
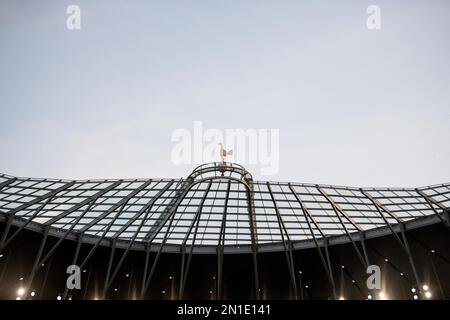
(20, 291)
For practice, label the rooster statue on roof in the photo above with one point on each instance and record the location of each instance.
(224, 153)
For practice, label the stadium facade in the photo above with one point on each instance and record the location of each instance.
(218, 234)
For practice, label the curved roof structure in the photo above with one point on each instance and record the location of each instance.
(219, 204)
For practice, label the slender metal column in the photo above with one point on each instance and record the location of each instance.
(29, 220)
(393, 266)
(130, 282)
(362, 239)
(404, 243)
(5, 232)
(196, 221)
(221, 244)
(181, 189)
(291, 258)
(7, 182)
(144, 276)
(155, 262)
(36, 260)
(254, 244)
(5, 266)
(288, 247)
(410, 258)
(87, 283)
(436, 276)
(428, 248)
(44, 283)
(121, 205)
(326, 264)
(170, 216)
(346, 271)
(302, 297)
(147, 209)
(67, 232)
(111, 259)
(183, 258)
(99, 240)
(378, 206)
(337, 210)
(219, 273)
(330, 270)
(89, 202)
(442, 216)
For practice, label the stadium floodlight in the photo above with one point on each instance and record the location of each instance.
(20, 291)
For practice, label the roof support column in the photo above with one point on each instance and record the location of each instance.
(444, 215)
(288, 247)
(326, 264)
(147, 208)
(404, 244)
(410, 257)
(221, 244)
(338, 210)
(36, 260)
(169, 217)
(108, 272)
(185, 271)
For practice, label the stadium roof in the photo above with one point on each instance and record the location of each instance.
(211, 208)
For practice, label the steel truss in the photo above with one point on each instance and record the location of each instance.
(218, 209)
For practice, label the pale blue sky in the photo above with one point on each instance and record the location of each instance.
(354, 107)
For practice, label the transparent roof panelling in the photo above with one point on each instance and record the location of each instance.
(212, 210)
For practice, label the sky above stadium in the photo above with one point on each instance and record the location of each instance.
(353, 106)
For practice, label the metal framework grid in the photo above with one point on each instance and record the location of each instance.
(134, 210)
(217, 209)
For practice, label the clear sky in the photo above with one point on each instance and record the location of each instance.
(354, 107)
